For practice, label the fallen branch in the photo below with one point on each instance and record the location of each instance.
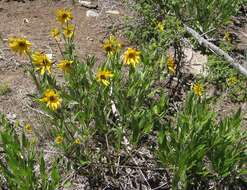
(202, 41)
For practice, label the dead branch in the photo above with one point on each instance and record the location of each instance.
(202, 41)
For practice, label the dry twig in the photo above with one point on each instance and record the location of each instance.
(202, 41)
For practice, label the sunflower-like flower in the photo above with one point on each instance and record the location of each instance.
(19, 45)
(41, 62)
(64, 15)
(77, 141)
(103, 76)
(228, 37)
(28, 128)
(65, 65)
(131, 57)
(231, 81)
(160, 27)
(171, 66)
(52, 99)
(55, 33)
(59, 139)
(111, 45)
(198, 89)
(69, 31)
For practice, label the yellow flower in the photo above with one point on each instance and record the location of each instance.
(28, 128)
(131, 57)
(69, 31)
(65, 65)
(59, 139)
(232, 80)
(55, 33)
(64, 15)
(171, 66)
(52, 99)
(228, 37)
(111, 45)
(19, 45)
(160, 26)
(77, 141)
(198, 89)
(41, 62)
(103, 76)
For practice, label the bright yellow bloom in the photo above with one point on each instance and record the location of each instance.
(28, 128)
(19, 45)
(64, 15)
(131, 57)
(171, 66)
(55, 33)
(59, 139)
(198, 89)
(69, 31)
(160, 26)
(77, 141)
(103, 76)
(41, 62)
(232, 80)
(65, 65)
(111, 45)
(52, 99)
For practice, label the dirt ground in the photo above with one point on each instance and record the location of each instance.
(34, 20)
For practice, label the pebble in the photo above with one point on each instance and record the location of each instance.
(84, 2)
(113, 12)
(91, 13)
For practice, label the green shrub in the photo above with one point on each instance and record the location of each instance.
(199, 151)
(20, 166)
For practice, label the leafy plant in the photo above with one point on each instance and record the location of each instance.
(19, 162)
(198, 150)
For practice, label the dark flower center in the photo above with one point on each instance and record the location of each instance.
(64, 16)
(22, 44)
(52, 98)
(131, 55)
(102, 77)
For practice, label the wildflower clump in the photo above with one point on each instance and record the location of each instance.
(103, 76)
(77, 141)
(231, 81)
(111, 45)
(160, 26)
(228, 37)
(19, 45)
(42, 62)
(171, 66)
(64, 15)
(131, 57)
(59, 139)
(65, 65)
(69, 31)
(55, 33)
(28, 128)
(197, 89)
(52, 99)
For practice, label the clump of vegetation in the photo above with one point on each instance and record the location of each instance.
(4, 89)
(104, 111)
(21, 164)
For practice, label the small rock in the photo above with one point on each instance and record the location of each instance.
(25, 20)
(91, 13)
(113, 12)
(90, 39)
(84, 2)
